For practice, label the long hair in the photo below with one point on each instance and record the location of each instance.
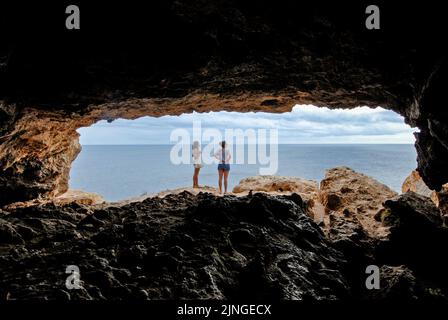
(195, 145)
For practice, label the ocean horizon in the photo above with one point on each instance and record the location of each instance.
(119, 172)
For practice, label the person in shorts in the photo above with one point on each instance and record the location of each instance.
(223, 155)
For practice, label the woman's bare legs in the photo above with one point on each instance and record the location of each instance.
(226, 175)
(220, 180)
(196, 178)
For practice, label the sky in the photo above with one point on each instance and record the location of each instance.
(305, 124)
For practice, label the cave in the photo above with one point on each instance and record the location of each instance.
(251, 56)
(124, 159)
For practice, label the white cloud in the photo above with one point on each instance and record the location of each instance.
(304, 124)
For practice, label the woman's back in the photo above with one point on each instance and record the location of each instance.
(223, 155)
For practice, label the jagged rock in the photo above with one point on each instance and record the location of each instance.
(440, 198)
(346, 193)
(396, 283)
(307, 189)
(206, 246)
(348, 236)
(208, 189)
(417, 237)
(71, 197)
(400, 283)
(416, 184)
(37, 157)
(79, 197)
(8, 234)
(179, 246)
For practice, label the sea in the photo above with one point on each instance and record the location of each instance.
(119, 172)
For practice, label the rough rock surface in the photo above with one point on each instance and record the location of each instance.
(178, 246)
(400, 283)
(417, 237)
(416, 184)
(412, 265)
(195, 191)
(440, 198)
(72, 196)
(235, 55)
(206, 246)
(354, 196)
(278, 184)
(241, 56)
(307, 189)
(79, 197)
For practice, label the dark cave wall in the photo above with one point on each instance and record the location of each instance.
(431, 143)
(168, 57)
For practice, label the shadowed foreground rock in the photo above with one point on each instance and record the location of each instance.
(179, 246)
(307, 189)
(417, 239)
(186, 246)
(415, 183)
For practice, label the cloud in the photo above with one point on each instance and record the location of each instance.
(304, 124)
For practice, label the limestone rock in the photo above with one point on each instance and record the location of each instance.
(353, 195)
(278, 184)
(416, 184)
(206, 189)
(307, 189)
(79, 197)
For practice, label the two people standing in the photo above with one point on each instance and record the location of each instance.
(223, 155)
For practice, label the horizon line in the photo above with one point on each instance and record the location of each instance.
(246, 144)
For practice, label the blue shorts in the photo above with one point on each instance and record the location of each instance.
(224, 166)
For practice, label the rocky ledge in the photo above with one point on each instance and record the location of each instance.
(205, 246)
(178, 246)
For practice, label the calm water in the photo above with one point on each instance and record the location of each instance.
(125, 171)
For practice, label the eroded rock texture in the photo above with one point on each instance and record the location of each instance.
(354, 196)
(415, 183)
(416, 238)
(177, 247)
(187, 246)
(307, 189)
(169, 57)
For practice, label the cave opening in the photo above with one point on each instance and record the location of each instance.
(126, 159)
